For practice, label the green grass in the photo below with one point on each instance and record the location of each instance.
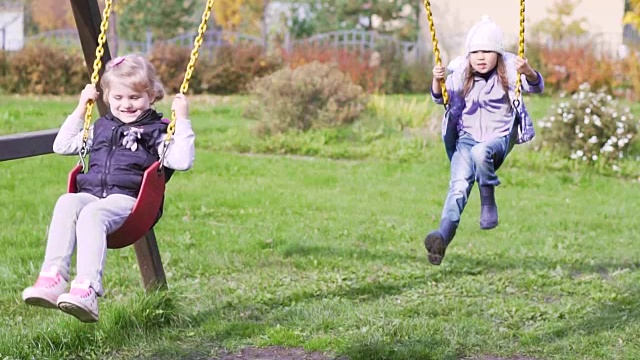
(327, 254)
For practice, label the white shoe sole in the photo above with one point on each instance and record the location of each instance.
(79, 312)
(40, 302)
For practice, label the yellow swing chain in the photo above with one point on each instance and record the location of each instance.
(97, 65)
(518, 89)
(192, 61)
(436, 50)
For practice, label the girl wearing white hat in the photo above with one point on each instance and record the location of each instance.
(482, 123)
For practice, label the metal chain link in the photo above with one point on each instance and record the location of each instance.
(187, 77)
(436, 50)
(97, 65)
(518, 89)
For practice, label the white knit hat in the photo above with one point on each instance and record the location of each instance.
(485, 36)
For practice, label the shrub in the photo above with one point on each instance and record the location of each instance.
(235, 67)
(361, 66)
(4, 63)
(630, 70)
(313, 95)
(589, 126)
(4, 68)
(383, 70)
(228, 70)
(58, 70)
(45, 70)
(565, 69)
(418, 74)
(171, 62)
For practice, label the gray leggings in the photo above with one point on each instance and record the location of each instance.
(84, 220)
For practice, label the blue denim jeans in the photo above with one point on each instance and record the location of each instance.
(472, 161)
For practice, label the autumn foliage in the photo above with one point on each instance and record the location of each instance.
(51, 14)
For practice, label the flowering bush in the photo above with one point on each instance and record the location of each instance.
(589, 126)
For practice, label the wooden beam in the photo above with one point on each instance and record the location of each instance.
(17, 146)
(149, 261)
(88, 18)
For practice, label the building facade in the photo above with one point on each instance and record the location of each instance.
(453, 18)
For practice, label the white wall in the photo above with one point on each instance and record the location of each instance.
(11, 30)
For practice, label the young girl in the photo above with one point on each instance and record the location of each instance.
(123, 144)
(480, 126)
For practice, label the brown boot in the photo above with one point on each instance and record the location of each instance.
(437, 241)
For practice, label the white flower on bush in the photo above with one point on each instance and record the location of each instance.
(607, 148)
(594, 127)
(596, 121)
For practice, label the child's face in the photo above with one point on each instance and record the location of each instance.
(127, 104)
(483, 61)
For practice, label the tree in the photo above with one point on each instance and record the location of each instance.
(227, 13)
(49, 15)
(240, 15)
(558, 25)
(164, 18)
(381, 15)
(398, 17)
(632, 13)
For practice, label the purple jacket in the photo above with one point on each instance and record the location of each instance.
(453, 119)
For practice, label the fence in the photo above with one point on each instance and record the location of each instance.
(354, 40)
(602, 43)
(214, 38)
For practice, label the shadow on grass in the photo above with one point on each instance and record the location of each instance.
(151, 314)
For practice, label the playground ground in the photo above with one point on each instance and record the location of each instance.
(314, 242)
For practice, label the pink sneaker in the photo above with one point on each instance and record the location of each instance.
(45, 291)
(81, 301)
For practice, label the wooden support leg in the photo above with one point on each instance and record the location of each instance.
(149, 261)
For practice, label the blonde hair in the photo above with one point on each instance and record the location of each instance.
(136, 72)
(501, 72)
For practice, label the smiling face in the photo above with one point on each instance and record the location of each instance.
(131, 86)
(483, 62)
(126, 103)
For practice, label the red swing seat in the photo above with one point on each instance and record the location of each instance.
(145, 212)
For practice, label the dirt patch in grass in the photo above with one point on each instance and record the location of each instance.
(490, 357)
(276, 353)
(282, 353)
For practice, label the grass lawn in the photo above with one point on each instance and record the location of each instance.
(327, 254)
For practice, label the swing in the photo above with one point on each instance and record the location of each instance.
(451, 126)
(146, 211)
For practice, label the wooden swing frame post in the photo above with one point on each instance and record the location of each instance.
(88, 17)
